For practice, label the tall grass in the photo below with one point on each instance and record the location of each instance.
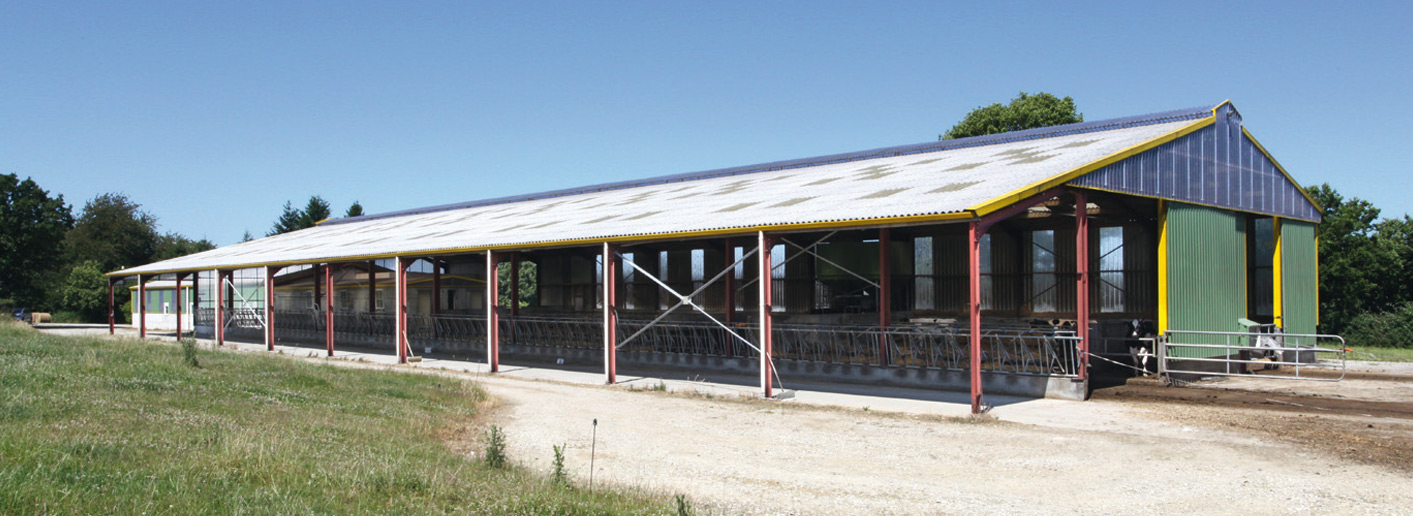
(92, 426)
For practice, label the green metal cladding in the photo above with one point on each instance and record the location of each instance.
(1206, 272)
(1299, 277)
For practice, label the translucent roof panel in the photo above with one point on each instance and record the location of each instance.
(912, 185)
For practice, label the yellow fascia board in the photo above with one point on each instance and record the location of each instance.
(1041, 186)
(647, 237)
(1292, 180)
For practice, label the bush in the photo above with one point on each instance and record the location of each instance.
(495, 447)
(560, 477)
(68, 317)
(189, 352)
(1386, 330)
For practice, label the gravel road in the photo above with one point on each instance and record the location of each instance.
(755, 457)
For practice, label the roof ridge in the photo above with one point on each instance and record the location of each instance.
(900, 150)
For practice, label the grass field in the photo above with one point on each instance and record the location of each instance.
(1381, 354)
(92, 426)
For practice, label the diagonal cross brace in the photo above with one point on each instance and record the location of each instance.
(687, 299)
(831, 262)
(787, 260)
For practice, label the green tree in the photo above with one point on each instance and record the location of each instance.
(315, 212)
(291, 220)
(1358, 269)
(85, 291)
(1024, 112)
(247, 236)
(295, 219)
(172, 245)
(113, 231)
(354, 210)
(32, 229)
(529, 281)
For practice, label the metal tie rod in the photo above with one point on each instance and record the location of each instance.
(788, 259)
(683, 300)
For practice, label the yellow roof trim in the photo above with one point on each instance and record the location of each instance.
(1292, 180)
(1041, 186)
(858, 223)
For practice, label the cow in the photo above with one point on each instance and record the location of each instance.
(1141, 335)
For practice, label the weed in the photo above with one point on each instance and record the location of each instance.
(189, 352)
(684, 506)
(495, 447)
(559, 476)
(660, 387)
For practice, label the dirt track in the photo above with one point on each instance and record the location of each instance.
(1367, 418)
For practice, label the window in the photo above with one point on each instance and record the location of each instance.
(378, 301)
(922, 274)
(345, 300)
(1044, 295)
(1111, 270)
(450, 299)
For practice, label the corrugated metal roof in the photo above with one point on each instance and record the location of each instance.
(931, 179)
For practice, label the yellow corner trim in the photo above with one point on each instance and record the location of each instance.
(1041, 186)
(1162, 267)
(1277, 275)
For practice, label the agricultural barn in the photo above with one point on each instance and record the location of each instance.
(999, 263)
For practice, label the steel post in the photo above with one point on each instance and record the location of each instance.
(316, 279)
(766, 315)
(220, 309)
(111, 329)
(436, 293)
(610, 313)
(885, 294)
(1081, 244)
(329, 308)
(141, 307)
(270, 308)
(492, 313)
(975, 232)
(179, 305)
(400, 309)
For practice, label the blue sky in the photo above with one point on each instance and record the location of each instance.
(213, 114)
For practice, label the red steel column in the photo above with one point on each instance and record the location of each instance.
(179, 306)
(730, 297)
(329, 308)
(141, 307)
(610, 312)
(766, 323)
(974, 288)
(195, 300)
(492, 313)
(1081, 243)
(111, 330)
(270, 308)
(372, 296)
(400, 309)
(220, 316)
(885, 294)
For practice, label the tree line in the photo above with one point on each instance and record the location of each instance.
(55, 259)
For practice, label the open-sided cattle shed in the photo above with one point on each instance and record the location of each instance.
(1000, 262)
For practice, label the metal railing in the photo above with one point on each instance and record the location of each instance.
(1220, 353)
(584, 333)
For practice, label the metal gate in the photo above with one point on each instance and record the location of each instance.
(1219, 353)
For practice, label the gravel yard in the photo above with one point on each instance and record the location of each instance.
(740, 456)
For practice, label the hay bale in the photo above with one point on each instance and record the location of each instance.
(39, 317)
